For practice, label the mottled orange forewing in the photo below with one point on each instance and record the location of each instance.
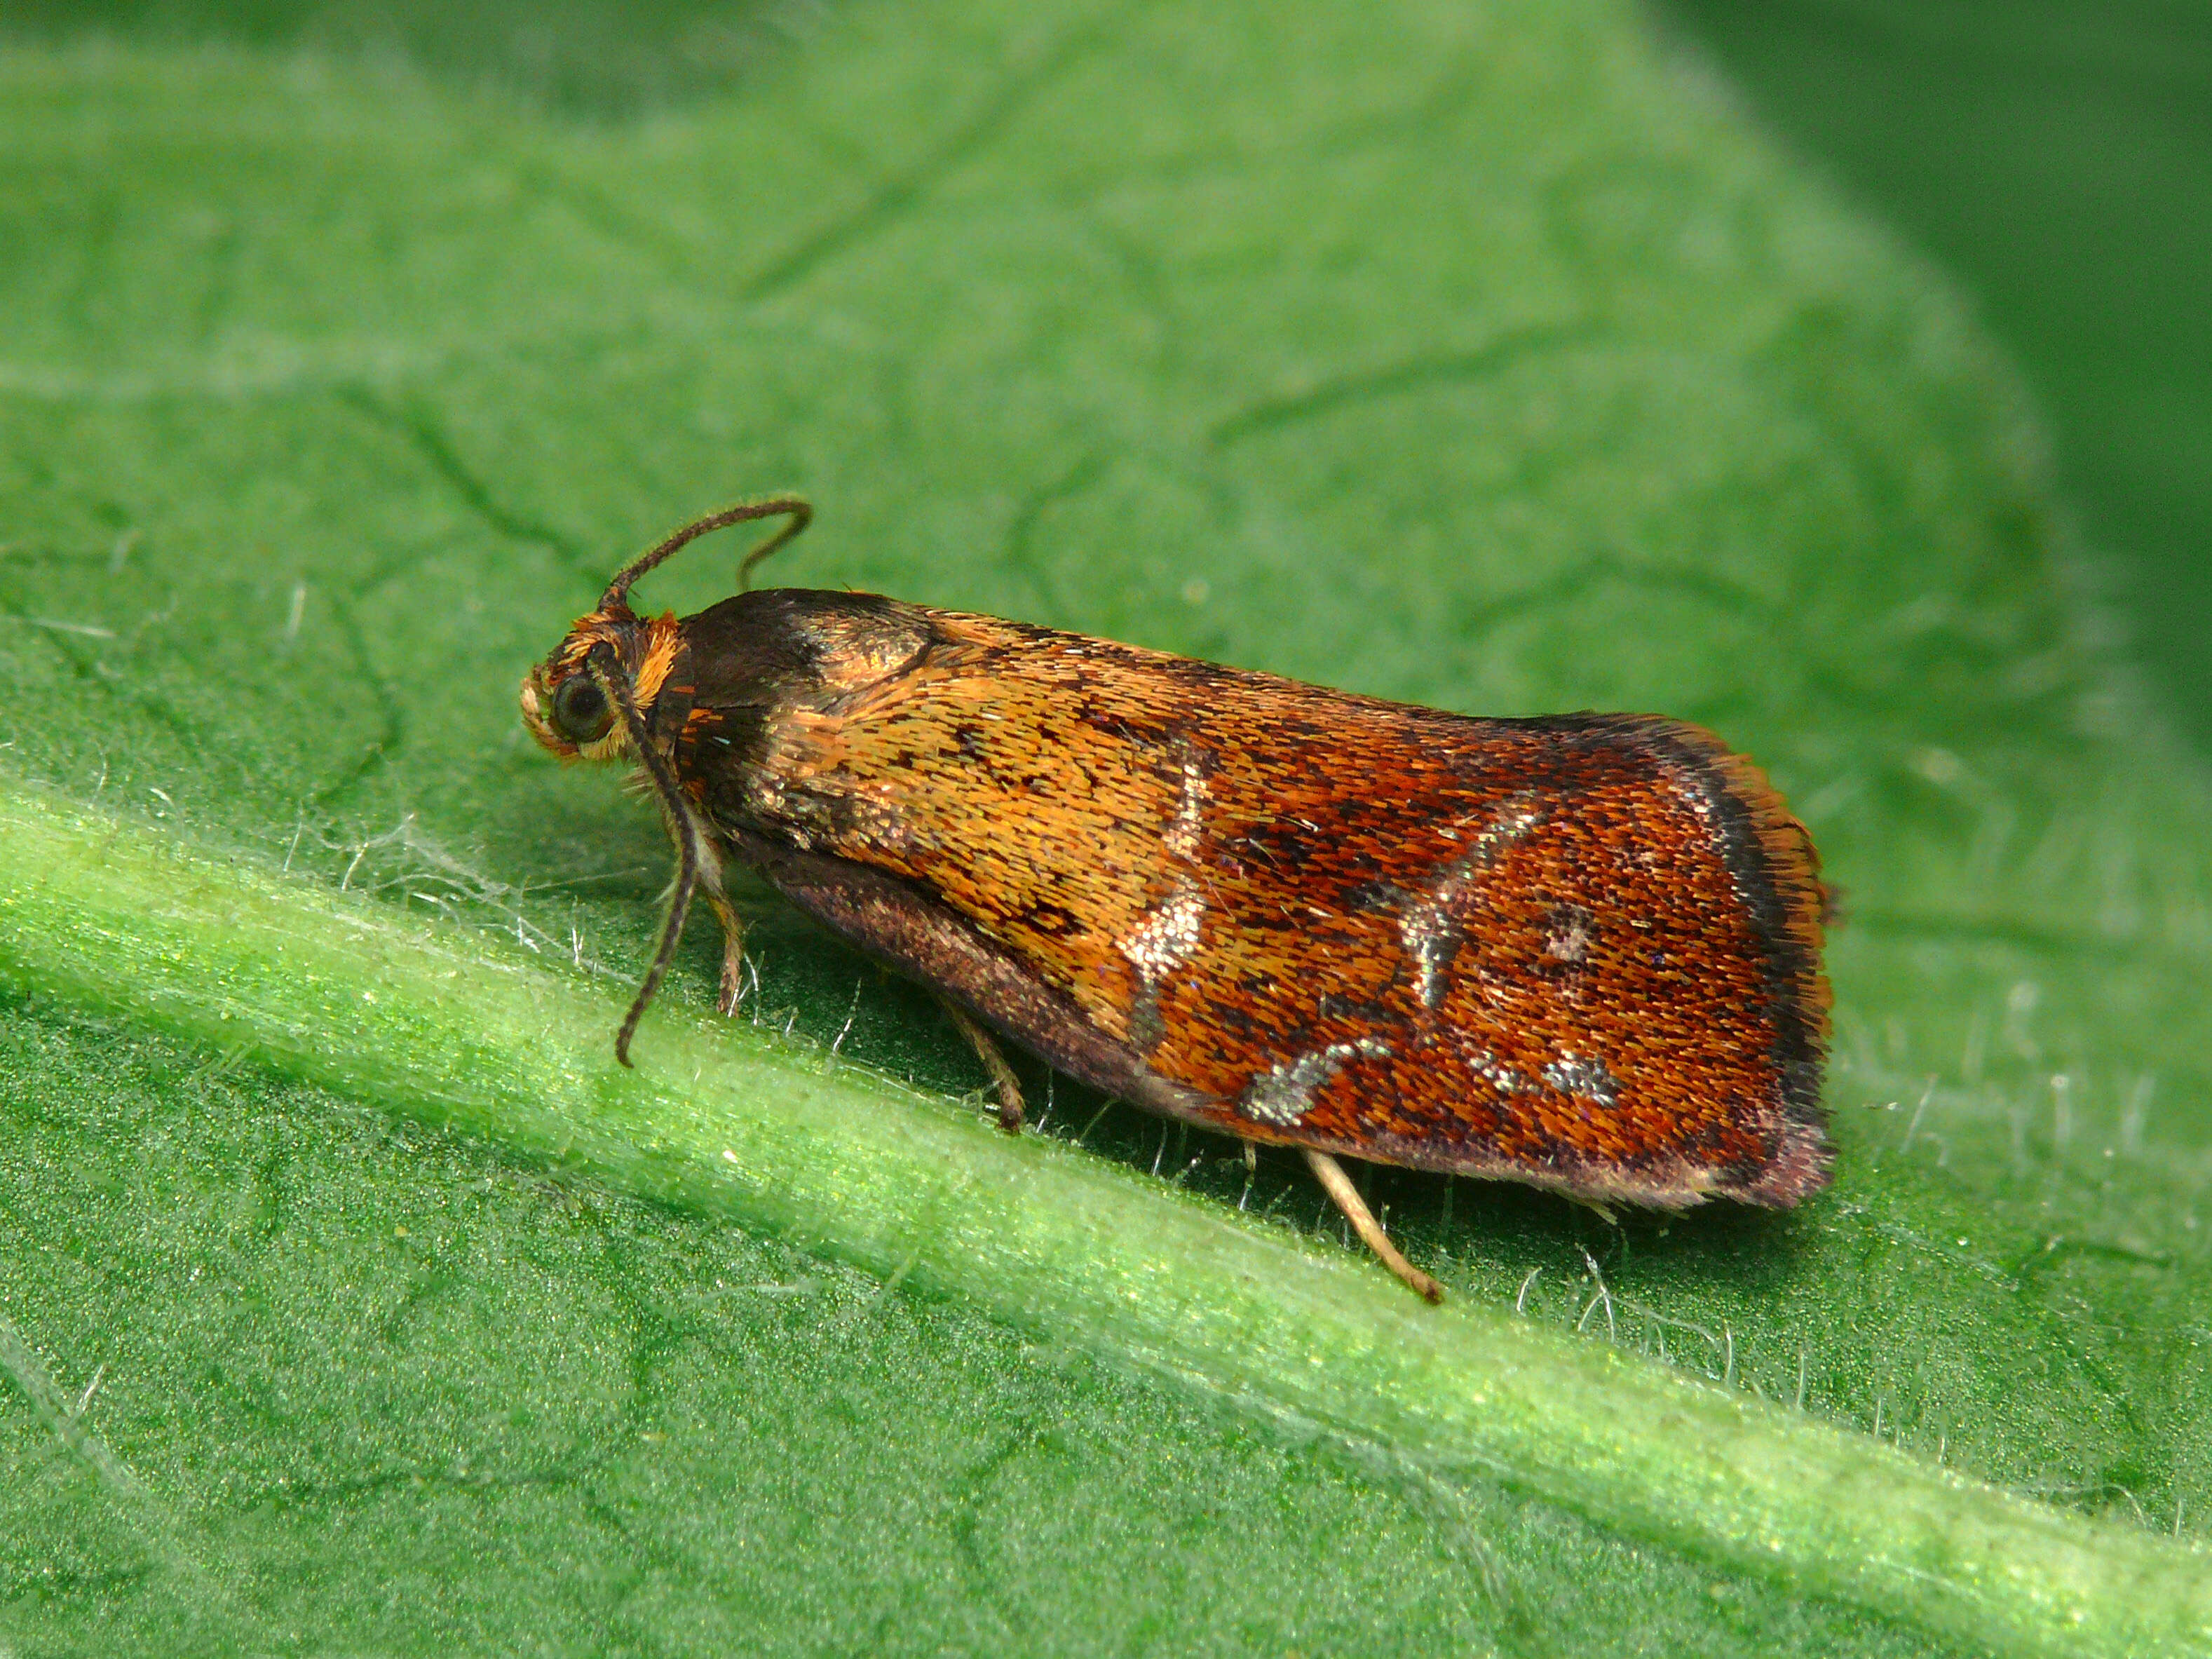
(1580, 951)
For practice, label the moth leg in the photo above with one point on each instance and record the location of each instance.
(733, 953)
(987, 1050)
(1338, 1185)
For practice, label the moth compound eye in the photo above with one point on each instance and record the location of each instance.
(581, 713)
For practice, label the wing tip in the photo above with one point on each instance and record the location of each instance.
(1777, 867)
(1802, 1165)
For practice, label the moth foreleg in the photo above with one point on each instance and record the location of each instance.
(1338, 1185)
(734, 952)
(994, 1062)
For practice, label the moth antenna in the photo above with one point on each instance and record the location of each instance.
(797, 508)
(690, 850)
(802, 515)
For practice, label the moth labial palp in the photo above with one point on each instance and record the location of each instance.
(1290, 914)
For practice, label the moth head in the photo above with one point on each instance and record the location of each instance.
(593, 697)
(569, 701)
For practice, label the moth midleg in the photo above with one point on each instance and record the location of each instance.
(734, 951)
(1338, 1185)
(994, 1062)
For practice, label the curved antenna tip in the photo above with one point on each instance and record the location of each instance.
(797, 508)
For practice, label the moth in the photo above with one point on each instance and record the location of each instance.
(1582, 951)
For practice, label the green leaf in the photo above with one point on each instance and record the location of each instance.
(1477, 358)
(2052, 156)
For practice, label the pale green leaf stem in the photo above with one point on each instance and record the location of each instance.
(433, 1022)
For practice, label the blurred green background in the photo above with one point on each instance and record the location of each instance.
(2055, 156)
